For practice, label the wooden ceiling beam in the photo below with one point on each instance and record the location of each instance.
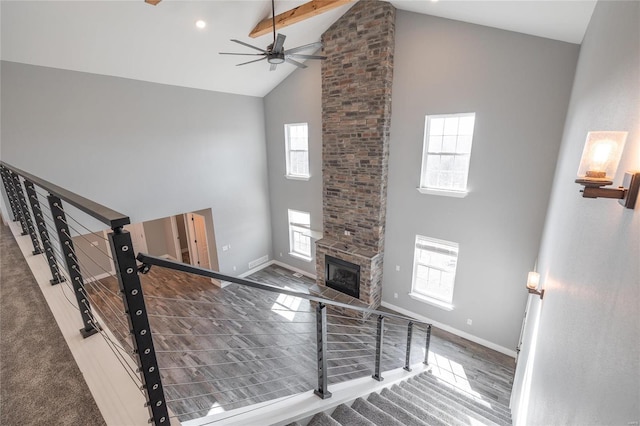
(300, 13)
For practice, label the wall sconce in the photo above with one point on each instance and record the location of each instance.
(600, 158)
(533, 281)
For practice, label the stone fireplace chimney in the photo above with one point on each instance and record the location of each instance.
(356, 115)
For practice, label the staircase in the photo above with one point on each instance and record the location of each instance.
(423, 400)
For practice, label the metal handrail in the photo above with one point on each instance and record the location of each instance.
(148, 261)
(104, 214)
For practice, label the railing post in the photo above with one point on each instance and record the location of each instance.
(66, 244)
(426, 354)
(27, 215)
(14, 193)
(407, 358)
(133, 299)
(7, 190)
(379, 342)
(321, 322)
(44, 234)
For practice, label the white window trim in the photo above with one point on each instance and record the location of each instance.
(447, 306)
(287, 150)
(300, 256)
(431, 301)
(425, 153)
(296, 177)
(290, 229)
(443, 192)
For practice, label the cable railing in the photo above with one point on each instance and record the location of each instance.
(44, 211)
(192, 348)
(327, 346)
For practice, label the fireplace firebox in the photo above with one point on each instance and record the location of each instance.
(342, 276)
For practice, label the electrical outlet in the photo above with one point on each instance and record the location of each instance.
(395, 295)
(397, 267)
(469, 321)
(347, 232)
(225, 248)
(234, 268)
(280, 254)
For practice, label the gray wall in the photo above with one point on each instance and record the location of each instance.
(582, 342)
(91, 250)
(295, 100)
(147, 150)
(155, 234)
(519, 88)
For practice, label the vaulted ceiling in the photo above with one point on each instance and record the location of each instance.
(161, 44)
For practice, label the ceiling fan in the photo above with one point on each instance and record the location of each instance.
(275, 53)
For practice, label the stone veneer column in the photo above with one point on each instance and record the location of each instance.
(356, 109)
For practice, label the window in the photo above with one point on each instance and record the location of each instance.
(434, 271)
(300, 234)
(297, 147)
(446, 154)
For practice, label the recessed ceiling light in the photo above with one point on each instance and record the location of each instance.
(200, 24)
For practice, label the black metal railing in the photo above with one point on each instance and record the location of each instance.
(52, 237)
(194, 353)
(343, 350)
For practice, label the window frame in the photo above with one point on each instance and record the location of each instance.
(425, 296)
(424, 188)
(302, 230)
(287, 147)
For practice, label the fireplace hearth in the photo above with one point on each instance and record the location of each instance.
(342, 276)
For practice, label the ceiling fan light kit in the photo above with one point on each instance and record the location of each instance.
(275, 53)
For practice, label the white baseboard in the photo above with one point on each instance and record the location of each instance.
(294, 269)
(221, 284)
(256, 269)
(97, 277)
(465, 335)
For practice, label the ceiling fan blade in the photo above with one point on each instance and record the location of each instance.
(315, 45)
(273, 67)
(248, 45)
(296, 63)
(299, 56)
(241, 54)
(255, 60)
(279, 44)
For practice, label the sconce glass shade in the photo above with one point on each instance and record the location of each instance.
(601, 155)
(533, 280)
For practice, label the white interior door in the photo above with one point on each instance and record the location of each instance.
(202, 243)
(198, 247)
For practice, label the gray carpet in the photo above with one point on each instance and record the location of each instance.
(420, 401)
(40, 384)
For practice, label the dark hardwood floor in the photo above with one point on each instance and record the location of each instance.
(236, 346)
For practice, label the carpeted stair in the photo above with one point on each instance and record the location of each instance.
(423, 400)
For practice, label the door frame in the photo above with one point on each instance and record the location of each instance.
(176, 239)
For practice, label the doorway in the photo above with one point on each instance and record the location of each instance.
(195, 239)
(181, 237)
(197, 245)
